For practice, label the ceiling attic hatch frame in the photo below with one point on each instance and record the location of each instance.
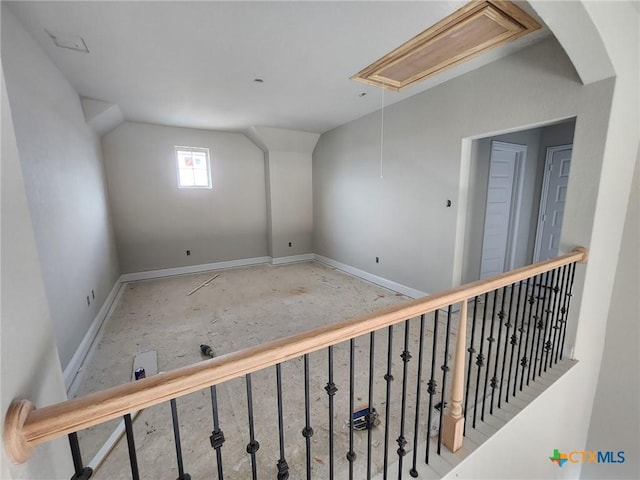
(477, 27)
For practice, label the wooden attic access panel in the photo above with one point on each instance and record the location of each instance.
(471, 30)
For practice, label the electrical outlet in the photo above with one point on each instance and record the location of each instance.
(88, 301)
(291, 244)
(93, 295)
(188, 252)
(377, 259)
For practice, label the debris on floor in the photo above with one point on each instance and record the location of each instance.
(207, 351)
(330, 284)
(438, 406)
(147, 362)
(365, 418)
(203, 284)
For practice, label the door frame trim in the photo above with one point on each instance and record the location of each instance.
(544, 194)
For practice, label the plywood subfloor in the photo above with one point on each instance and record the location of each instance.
(248, 306)
(241, 308)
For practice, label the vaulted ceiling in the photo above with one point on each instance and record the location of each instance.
(194, 64)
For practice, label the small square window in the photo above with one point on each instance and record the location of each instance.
(194, 167)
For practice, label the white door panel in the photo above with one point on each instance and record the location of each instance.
(552, 203)
(498, 214)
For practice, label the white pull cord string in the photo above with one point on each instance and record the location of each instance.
(382, 134)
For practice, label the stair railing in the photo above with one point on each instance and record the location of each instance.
(527, 308)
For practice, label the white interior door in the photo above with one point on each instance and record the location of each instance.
(554, 194)
(502, 193)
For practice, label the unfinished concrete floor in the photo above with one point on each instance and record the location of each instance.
(241, 308)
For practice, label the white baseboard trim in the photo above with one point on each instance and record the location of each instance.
(305, 257)
(383, 282)
(80, 354)
(72, 369)
(204, 267)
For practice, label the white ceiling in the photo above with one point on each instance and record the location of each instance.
(192, 64)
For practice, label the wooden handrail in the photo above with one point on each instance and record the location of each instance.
(25, 427)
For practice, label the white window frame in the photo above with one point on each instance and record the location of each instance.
(179, 148)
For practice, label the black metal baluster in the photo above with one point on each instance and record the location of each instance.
(556, 314)
(490, 339)
(506, 344)
(568, 295)
(406, 356)
(217, 436)
(536, 328)
(445, 369)
(494, 379)
(307, 432)
(471, 351)
(432, 385)
(514, 340)
(542, 295)
(331, 390)
(253, 446)
(550, 315)
(521, 331)
(283, 468)
(480, 358)
(133, 459)
(370, 416)
(351, 455)
(388, 378)
(176, 436)
(547, 311)
(413, 472)
(533, 322)
(560, 314)
(539, 324)
(524, 362)
(563, 308)
(81, 472)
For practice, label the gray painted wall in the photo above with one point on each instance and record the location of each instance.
(598, 198)
(405, 215)
(537, 140)
(64, 180)
(290, 203)
(155, 222)
(402, 217)
(289, 188)
(615, 420)
(555, 135)
(29, 356)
